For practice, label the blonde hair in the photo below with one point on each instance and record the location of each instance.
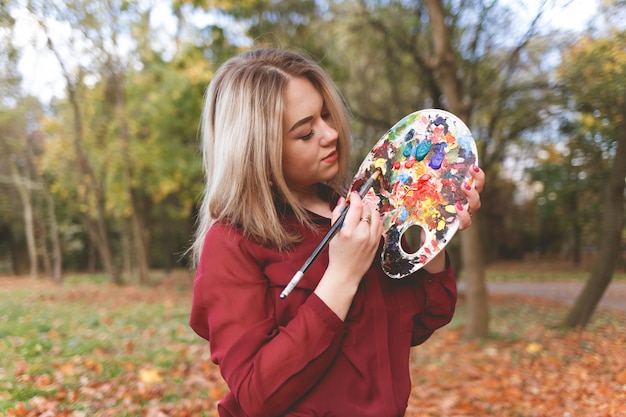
(242, 135)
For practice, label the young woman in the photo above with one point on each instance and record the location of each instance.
(275, 148)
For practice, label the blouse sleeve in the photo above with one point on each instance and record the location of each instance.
(438, 295)
(267, 367)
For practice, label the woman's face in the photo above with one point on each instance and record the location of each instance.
(310, 140)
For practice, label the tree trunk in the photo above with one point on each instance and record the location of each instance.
(92, 255)
(443, 61)
(139, 246)
(473, 265)
(127, 248)
(477, 321)
(57, 258)
(84, 165)
(23, 189)
(610, 244)
(52, 264)
(103, 250)
(40, 239)
(140, 250)
(576, 228)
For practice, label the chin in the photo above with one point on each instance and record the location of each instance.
(331, 175)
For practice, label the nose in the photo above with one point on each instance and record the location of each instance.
(328, 133)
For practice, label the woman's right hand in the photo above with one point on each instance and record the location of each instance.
(351, 252)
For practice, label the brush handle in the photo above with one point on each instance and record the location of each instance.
(333, 230)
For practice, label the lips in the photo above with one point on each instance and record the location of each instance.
(331, 157)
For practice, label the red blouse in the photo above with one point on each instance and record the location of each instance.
(294, 356)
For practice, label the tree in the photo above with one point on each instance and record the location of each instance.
(88, 178)
(446, 74)
(9, 75)
(566, 181)
(411, 55)
(139, 120)
(21, 143)
(601, 101)
(20, 134)
(9, 91)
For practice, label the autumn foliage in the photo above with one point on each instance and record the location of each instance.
(100, 350)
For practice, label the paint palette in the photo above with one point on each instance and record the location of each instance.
(424, 160)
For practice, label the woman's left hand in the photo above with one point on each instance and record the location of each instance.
(473, 197)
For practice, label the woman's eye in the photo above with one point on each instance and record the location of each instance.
(308, 135)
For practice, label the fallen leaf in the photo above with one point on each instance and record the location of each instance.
(150, 376)
(93, 365)
(533, 348)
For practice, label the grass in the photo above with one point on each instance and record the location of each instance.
(543, 271)
(61, 342)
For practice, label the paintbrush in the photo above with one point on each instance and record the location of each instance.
(335, 227)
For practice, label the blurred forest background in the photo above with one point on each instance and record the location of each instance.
(101, 171)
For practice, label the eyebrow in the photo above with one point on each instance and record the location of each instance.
(300, 123)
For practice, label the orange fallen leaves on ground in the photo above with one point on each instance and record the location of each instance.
(545, 371)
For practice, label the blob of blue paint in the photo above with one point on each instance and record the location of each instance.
(439, 147)
(422, 150)
(403, 178)
(403, 214)
(436, 160)
(407, 150)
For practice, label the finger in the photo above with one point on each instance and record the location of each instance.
(473, 201)
(464, 217)
(355, 210)
(376, 223)
(473, 197)
(479, 177)
(366, 215)
(370, 212)
(371, 216)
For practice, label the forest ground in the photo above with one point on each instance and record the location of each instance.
(88, 348)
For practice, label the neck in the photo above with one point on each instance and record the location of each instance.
(311, 200)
